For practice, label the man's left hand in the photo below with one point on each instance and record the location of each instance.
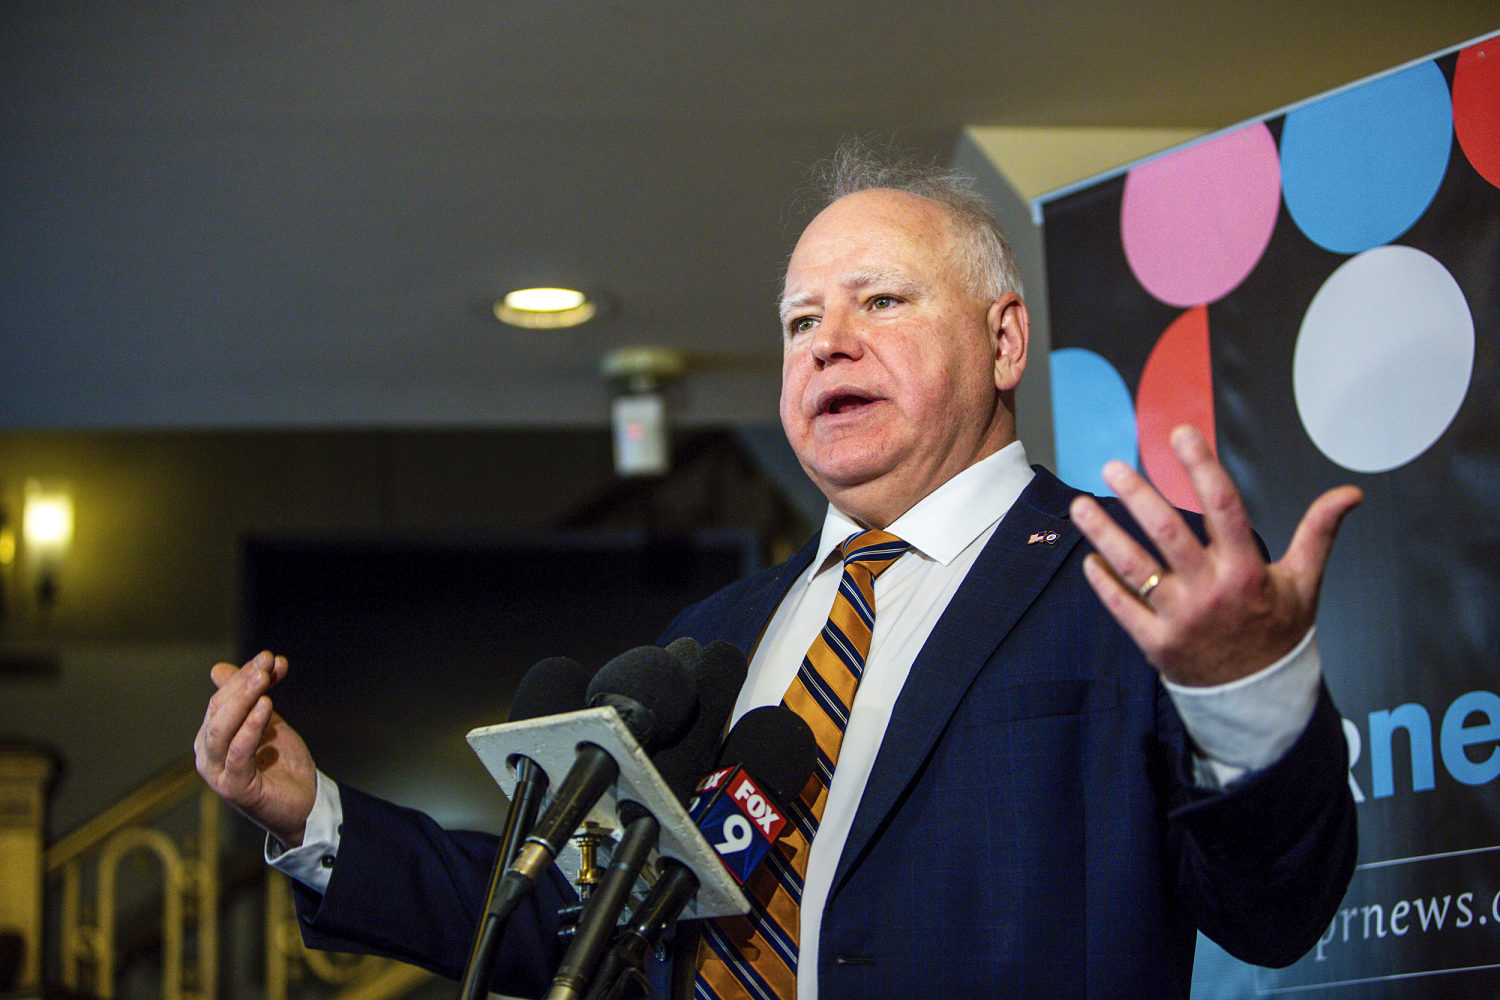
(1215, 612)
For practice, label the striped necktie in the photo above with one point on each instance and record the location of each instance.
(755, 955)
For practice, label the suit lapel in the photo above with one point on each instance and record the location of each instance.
(1019, 560)
(754, 608)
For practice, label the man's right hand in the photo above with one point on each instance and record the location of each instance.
(250, 756)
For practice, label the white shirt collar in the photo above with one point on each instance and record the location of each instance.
(947, 520)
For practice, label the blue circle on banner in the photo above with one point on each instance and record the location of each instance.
(1093, 418)
(1360, 166)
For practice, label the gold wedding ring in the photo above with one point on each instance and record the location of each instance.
(1152, 582)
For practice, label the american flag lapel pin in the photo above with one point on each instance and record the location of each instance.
(1045, 537)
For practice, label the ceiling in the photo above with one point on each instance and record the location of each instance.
(237, 214)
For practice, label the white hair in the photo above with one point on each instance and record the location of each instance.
(989, 267)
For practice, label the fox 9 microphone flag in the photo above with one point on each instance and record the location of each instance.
(738, 818)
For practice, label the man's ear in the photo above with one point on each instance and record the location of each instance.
(1010, 329)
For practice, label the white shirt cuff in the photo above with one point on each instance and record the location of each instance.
(1250, 723)
(311, 862)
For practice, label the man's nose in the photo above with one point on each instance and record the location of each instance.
(836, 338)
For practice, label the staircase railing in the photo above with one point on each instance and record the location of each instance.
(26, 772)
(175, 822)
(89, 933)
(365, 977)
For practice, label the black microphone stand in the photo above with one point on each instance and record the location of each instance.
(623, 967)
(596, 927)
(531, 785)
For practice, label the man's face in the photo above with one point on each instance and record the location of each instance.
(892, 370)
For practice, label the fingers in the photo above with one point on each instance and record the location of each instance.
(221, 673)
(238, 689)
(1120, 599)
(1223, 511)
(1161, 521)
(239, 767)
(1205, 613)
(1124, 561)
(1181, 550)
(1307, 554)
(235, 721)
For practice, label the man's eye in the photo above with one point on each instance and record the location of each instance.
(883, 301)
(801, 324)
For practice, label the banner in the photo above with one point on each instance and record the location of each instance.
(1319, 291)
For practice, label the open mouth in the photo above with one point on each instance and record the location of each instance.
(845, 402)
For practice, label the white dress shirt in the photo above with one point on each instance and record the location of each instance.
(1240, 726)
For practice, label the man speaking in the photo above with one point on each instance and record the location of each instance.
(1057, 736)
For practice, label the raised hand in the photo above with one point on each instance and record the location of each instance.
(250, 756)
(1210, 613)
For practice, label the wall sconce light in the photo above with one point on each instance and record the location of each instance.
(7, 559)
(639, 412)
(46, 535)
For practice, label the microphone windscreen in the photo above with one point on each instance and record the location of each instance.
(720, 675)
(555, 685)
(776, 746)
(685, 649)
(718, 672)
(652, 691)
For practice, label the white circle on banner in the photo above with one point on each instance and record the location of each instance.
(1383, 359)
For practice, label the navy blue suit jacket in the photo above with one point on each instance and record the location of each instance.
(1029, 827)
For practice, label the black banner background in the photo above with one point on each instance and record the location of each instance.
(1410, 614)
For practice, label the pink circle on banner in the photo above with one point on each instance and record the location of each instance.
(1194, 223)
(1177, 387)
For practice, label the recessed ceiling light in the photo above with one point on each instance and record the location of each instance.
(545, 308)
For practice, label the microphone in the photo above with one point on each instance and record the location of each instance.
(775, 744)
(653, 694)
(686, 649)
(555, 685)
(717, 673)
(738, 813)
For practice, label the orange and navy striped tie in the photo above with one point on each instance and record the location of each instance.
(755, 955)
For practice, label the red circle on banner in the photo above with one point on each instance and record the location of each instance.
(1476, 106)
(1176, 388)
